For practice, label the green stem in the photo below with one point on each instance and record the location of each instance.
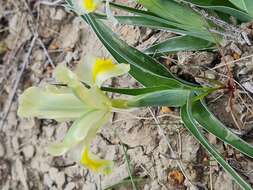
(120, 103)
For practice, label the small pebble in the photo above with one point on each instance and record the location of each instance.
(28, 151)
(70, 186)
(2, 150)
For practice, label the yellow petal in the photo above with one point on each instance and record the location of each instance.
(90, 5)
(104, 69)
(94, 163)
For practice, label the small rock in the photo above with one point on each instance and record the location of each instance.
(189, 148)
(223, 182)
(21, 173)
(60, 14)
(71, 34)
(70, 186)
(27, 123)
(235, 49)
(248, 86)
(89, 186)
(117, 176)
(47, 180)
(15, 143)
(203, 58)
(61, 131)
(155, 185)
(49, 131)
(58, 177)
(2, 150)
(28, 151)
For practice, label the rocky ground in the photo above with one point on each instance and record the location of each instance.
(35, 36)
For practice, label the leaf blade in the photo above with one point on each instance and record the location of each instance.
(191, 125)
(179, 43)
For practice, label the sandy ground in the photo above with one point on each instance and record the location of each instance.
(34, 38)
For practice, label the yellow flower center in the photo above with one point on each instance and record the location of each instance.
(95, 164)
(90, 5)
(101, 66)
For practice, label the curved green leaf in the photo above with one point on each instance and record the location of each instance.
(134, 91)
(210, 123)
(176, 12)
(192, 126)
(246, 5)
(179, 43)
(224, 7)
(171, 97)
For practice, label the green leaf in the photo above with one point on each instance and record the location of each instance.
(173, 11)
(134, 91)
(148, 19)
(224, 7)
(157, 23)
(172, 97)
(176, 12)
(246, 5)
(210, 123)
(192, 126)
(179, 43)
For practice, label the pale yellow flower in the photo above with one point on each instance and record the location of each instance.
(89, 107)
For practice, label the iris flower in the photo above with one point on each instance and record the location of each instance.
(89, 108)
(87, 6)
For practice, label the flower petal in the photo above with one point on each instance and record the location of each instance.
(43, 103)
(92, 162)
(85, 6)
(80, 130)
(97, 70)
(84, 70)
(114, 71)
(81, 154)
(93, 97)
(90, 5)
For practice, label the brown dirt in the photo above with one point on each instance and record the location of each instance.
(64, 38)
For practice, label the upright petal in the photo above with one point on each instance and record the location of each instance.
(42, 103)
(80, 130)
(84, 69)
(104, 69)
(95, 71)
(86, 6)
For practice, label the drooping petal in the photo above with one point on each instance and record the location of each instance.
(92, 162)
(80, 130)
(82, 155)
(96, 71)
(43, 103)
(92, 97)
